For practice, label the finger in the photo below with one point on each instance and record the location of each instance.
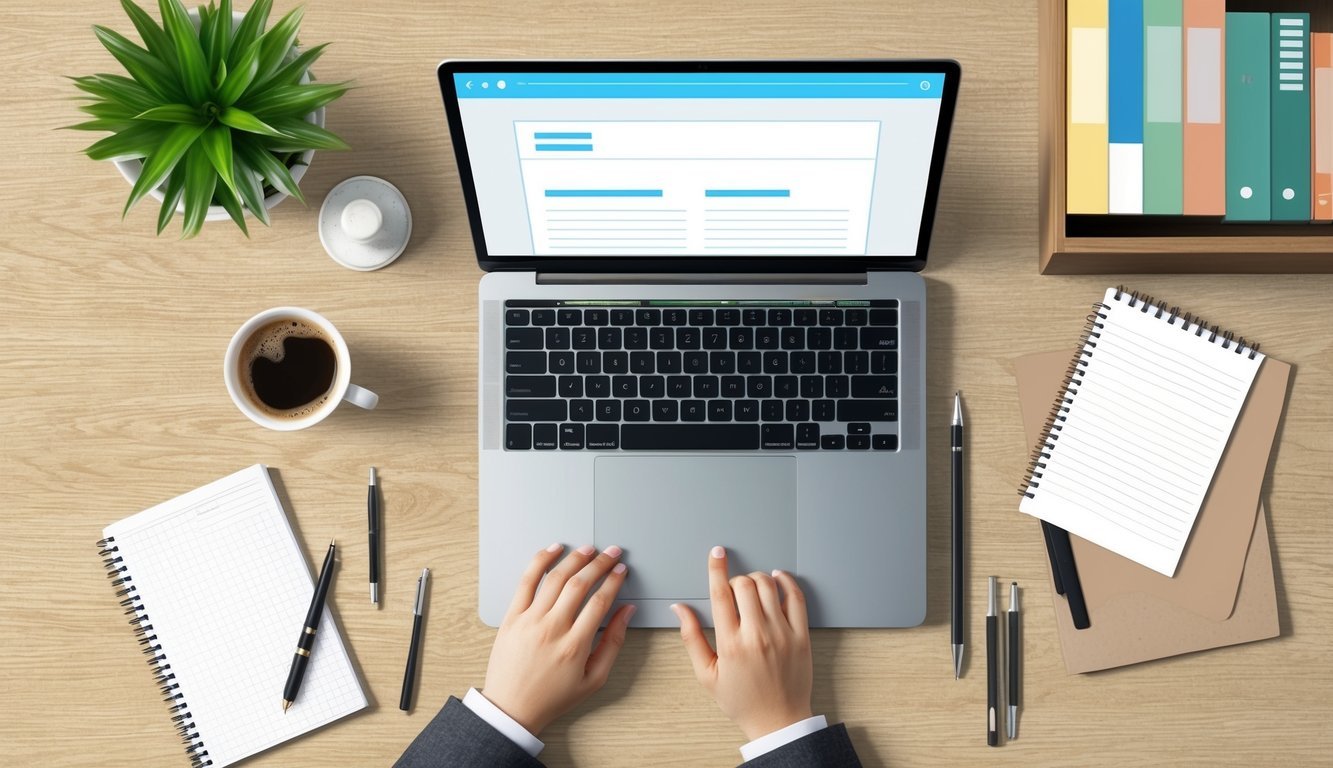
(590, 618)
(701, 654)
(566, 608)
(532, 576)
(794, 605)
(557, 576)
(747, 601)
(768, 597)
(719, 592)
(608, 648)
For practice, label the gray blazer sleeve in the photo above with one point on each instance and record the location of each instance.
(457, 738)
(829, 748)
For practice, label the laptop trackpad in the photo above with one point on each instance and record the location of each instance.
(667, 512)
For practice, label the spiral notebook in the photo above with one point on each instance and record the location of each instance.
(1135, 435)
(217, 587)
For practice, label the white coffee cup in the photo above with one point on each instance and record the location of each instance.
(236, 373)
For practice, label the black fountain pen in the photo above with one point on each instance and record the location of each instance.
(307, 639)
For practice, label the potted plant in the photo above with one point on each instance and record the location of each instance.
(217, 112)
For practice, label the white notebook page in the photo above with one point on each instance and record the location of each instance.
(226, 588)
(1129, 467)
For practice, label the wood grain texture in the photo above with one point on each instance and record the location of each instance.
(113, 401)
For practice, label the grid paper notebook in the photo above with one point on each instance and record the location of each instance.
(1134, 438)
(219, 587)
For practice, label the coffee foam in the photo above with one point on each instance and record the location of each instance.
(267, 342)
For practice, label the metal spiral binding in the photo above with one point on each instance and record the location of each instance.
(1146, 304)
(181, 718)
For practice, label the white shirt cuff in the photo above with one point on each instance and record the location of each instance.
(497, 719)
(765, 744)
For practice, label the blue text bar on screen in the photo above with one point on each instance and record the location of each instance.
(562, 135)
(603, 193)
(699, 85)
(747, 193)
(564, 147)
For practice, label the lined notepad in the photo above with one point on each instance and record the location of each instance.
(1137, 433)
(222, 587)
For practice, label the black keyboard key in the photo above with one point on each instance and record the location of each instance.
(516, 317)
(818, 338)
(830, 317)
(883, 317)
(825, 410)
(874, 386)
(770, 410)
(543, 317)
(759, 387)
(812, 387)
(778, 437)
(805, 317)
(779, 317)
(706, 387)
(798, 410)
(529, 386)
(678, 387)
(687, 338)
(652, 386)
(829, 362)
(569, 316)
(666, 410)
(525, 362)
(557, 338)
(884, 339)
(868, 410)
(518, 437)
(832, 442)
(719, 410)
(570, 386)
(856, 362)
(695, 362)
(648, 316)
(637, 410)
(775, 362)
(674, 317)
(580, 410)
(594, 317)
(855, 317)
(722, 362)
(589, 362)
(544, 437)
(883, 362)
(690, 437)
(642, 362)
(786, 387)
(753, 317)
(701, 317)
(668, 362)
(603, 437)
(858, 428)
(732, 387)
(615, 362)
(584, 338)
(742, 338)
(728, 317)
(858, 442)
(767, 338)
(802, 362)
(715, 338)
(625, 387)
(661, 338)
(523, 338)
(746, 410)
(807, 437)
(571, 437)
(793, 338)
(536, 410)
(598, 386)
(608, 410)
(609, 338)
(622, 317)
(749, 362)
(561, 362)
(636, 338)
(844, 338)
(884, 442)
(693, 410)
(837, 386)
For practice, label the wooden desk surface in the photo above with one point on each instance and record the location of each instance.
(113, 401)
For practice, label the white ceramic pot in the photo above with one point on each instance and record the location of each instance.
(131, 169)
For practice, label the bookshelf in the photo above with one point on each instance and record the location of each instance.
(1074, 244)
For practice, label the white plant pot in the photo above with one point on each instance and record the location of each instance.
(131, 169)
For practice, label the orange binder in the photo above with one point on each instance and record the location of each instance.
(1205, 146)
(1321, 129)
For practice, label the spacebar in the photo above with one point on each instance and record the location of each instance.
(689, 437)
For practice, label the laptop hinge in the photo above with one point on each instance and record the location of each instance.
(701, 278)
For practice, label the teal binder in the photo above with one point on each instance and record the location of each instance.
(1249, 108)
(1163, 142)
(1291, 84)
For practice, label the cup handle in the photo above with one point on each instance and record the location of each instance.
(361, 397)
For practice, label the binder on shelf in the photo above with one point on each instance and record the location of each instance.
(1163, 159)
(1248, 110)
(1204, 149)
(1290, 83)
(1125, 106)
(1321, 139)
(1085, 107)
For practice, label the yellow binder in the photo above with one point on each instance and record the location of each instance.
(1085, 107)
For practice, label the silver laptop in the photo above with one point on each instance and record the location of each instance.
(702, 321)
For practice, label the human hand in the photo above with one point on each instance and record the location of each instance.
(762, 673)
(543, 662)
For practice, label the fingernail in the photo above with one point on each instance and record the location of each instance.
(776, 572)
(586, 549)
(620, 568)
(629, 613)
(556, 547)
(718, 552)
(612, 551)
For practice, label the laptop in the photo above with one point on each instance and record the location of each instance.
(702, 321)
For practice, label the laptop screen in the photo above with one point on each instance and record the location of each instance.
(701, 164)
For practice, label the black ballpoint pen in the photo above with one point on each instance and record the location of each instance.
(306, 641)
(992, 670)
(956, 602)
(373, 521)
(1012, 651)
(410, 674)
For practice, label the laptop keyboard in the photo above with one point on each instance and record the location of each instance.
(703, 376)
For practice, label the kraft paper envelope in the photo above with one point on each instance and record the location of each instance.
(1137, 614)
